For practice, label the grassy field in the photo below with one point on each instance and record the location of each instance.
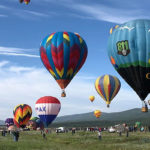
(31, 140)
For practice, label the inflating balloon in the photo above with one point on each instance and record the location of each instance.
(97, 113)
(47, 109)
(31, 124)
(129, 53)
(63, 54)
(9, 122)
(107, 87)
(22, 114)
(91, 98)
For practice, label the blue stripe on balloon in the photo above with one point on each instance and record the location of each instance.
(49, 55)
(47, 119)
(101, 83)
(112, 84)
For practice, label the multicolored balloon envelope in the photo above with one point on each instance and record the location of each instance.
(107, 87)
(26, 2)
(9, 122)
(63, 54)
(31, 124)
(22, 114)
(129, 53)
(47, 109)
(97, 113)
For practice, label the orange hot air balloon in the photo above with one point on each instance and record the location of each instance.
(92, 98)
(97, 113)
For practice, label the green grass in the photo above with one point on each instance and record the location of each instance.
(32, 140)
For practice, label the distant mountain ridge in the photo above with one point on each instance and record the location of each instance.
(86, 119)
(133, 114)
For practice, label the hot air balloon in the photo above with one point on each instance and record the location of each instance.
(107, 87)
(40, 125)
(9, 122)
(26, 2)
(97, 113)
(47, 109)
(20, 1)
(129, 53)
(31, 124)
(34, 118)
(22, 114)
(63, 54)
(91, 98)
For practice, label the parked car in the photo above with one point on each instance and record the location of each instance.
(60, 130)
(111, 130)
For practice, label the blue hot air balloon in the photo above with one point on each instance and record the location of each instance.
(63, 54)
(129, 53)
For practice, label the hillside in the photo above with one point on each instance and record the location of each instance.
(106, 119)
(132, 114)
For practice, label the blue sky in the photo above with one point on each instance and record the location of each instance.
(23, 78)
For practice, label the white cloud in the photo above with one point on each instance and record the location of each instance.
(1, 15)
(39, 14)
(3, 63)
(23, 54)
(12, 51)
(107, 13)
(25, 85)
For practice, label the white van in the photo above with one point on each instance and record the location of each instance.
(60, 130)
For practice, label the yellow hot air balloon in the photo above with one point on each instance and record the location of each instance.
(97, 113)
(107, 87)
(92, 98)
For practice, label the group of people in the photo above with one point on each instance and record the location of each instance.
(15, 134)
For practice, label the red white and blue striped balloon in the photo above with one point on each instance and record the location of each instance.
(47, 109)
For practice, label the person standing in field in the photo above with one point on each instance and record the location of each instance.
(99, 135)
(127, 131)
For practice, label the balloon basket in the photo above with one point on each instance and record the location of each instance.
(107, 105)
(144, 109)
(63, 94)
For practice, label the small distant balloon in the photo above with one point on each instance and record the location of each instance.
(26, 2)
(92, 98)
(20, 1)
(97, 113)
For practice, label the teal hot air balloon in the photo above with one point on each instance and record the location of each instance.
(129, 52)
(63, 54)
